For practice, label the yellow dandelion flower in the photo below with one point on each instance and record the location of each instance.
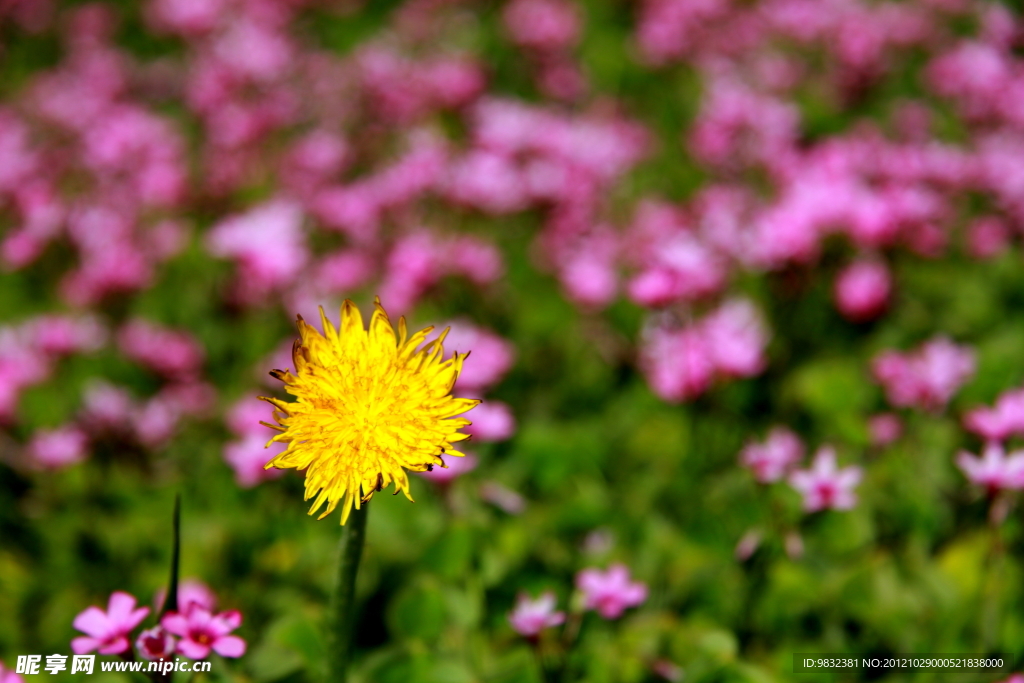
(368, 407)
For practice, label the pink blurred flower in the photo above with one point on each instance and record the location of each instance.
(824, 486)
(736, 338)
(884, 428)
(201, 631)
(492, 421)
(610, 592)
(668, 670)
(543, 24)
(155, 643)
(862, 290)
(927, 377)
(1000, 422)
(771, 460)
(677, 363)
(456, 467)
(747, 545)
(108, 631)
(530, 617)
(171, 353)
(190, 592)
(62, 335)
(57, 448)
(244, 417)
(502, 497)
(994, 470)
(106, 407)
(490, 359)
(248, 456)
(267, 241)
(9, 675)
(987, 237)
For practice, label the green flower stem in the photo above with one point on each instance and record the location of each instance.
(342, 610)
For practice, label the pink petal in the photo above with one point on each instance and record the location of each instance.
(115, 647)
(93, 621)
(84, 644)
(229, 646)
(120, 607)
(175, 623)
(192, 649)
(233, 618)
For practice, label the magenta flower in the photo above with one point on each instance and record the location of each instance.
(610, 592)
(202, 631)
(824, 486)
(862, 290)
(9, 676)
(530, 617)
(248, 455)
(884, 428)
(57, 448)
(1003, 420)
(994, 470)
(492, 421)
(190, 591)
(769, 461)
(108, 631)
(502, 497)
(925, 378)
(155, 643)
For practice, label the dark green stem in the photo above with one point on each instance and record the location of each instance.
(342, 611)
(171, 601)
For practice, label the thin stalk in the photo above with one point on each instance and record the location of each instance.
(342, 611)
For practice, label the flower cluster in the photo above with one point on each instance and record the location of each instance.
(193, 631)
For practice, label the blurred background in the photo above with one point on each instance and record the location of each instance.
(742, 282)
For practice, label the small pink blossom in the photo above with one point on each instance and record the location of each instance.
(490, 359)
(862, 290)
(824, 486)
(456, 467)
(172, 353)
(530, 617)
(248, 457)
(542, 24)
(772, 459)
(1004, 419)
(677, 363)
(201, 631)
(57, 448)
(190, 592)
(884, 428)
(987, 237)
(492, 421)
(610, 592)
(736, 338)
(747, 545)
(108, 631)
(9, 675)
(155, 643)
(927, 377)
(668, 670)
(994, 470)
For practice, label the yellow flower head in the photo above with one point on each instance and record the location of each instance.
(368, 407)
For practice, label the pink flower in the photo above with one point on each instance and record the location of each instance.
(172, 353)
(108, 631)
(249, 455)
(747, 545)
(677, 363)
(824, 486)
(155, 643)
(56, 448)
(492, 421)
(862, 290)
(190, 592)
(925, 378)
(1003, 420)
(202, 631)
(611, 592)
(987, 237)
(456, 467)
(769, 461)
(542, 24)
(9, 676)
(736, 338)
(530, 617)
(994, 470)
(884, 428)
(490, 359)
